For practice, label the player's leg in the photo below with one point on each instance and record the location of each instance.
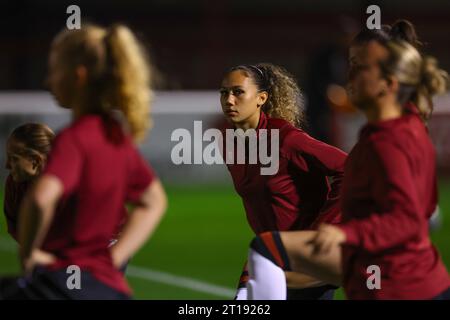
(301, 286)
(302, 258)
(241, 292)
(324, 275)
(273, 253)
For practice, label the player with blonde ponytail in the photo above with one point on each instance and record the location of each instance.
(93, 170)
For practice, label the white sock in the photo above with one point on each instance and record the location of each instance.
(241, 294)
(267, 280)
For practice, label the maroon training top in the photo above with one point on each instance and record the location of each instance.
(14, 193)
(299, 195)
(100, 170)
(388, 194)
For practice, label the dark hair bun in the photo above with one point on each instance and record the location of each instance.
(404, 30)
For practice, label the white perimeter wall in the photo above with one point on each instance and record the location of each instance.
(179, 109)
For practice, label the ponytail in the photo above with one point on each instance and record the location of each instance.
(434, 81)
(128, 86)
(420, 77)
(118, 73)
(285, 100)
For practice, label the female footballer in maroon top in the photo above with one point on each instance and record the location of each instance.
(382, 249)
(27, 150)
(26, 154)
(94, 167)
(304, 188)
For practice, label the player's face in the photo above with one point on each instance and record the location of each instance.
(19, 166)
(239, 97)
(365, 82)
(59, 81)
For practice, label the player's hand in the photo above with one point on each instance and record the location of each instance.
(37, 258)
(117, 256)
(327, 237)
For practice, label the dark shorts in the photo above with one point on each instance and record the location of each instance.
(52, 285)
(443, 295)
(318, 293)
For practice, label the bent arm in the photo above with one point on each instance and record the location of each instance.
(141, 224)
(36, 213)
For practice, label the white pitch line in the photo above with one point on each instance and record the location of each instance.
(8, 245)
(179, 281)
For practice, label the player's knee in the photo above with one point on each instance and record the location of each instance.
(270, 246)
(259, 245)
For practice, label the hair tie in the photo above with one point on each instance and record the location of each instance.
(261, 74)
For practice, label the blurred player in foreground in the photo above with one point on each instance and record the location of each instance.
(389, 190)
(299, 194)
(338, 97)
(102, 75)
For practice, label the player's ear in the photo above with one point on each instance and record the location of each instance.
(262, 98)
(393, 84)
(390, 85)
(37, 161)
(81, 75)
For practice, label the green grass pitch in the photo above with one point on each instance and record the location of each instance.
(204, 236)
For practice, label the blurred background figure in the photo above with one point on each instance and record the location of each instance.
(27, 149)
(326, 79)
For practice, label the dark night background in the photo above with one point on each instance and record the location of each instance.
(194, 42)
